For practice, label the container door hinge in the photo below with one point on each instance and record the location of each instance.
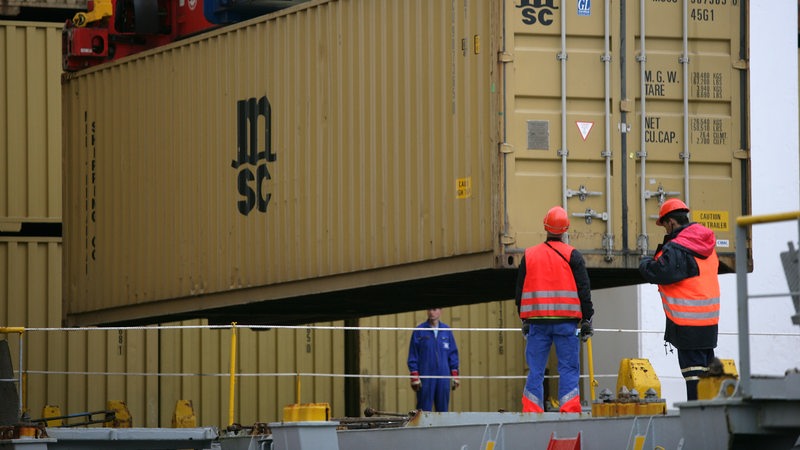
(505, 57)
(741, 154)
(505, 147)
(741, 64)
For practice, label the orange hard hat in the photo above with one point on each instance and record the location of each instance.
(556, 221)
(669, 206)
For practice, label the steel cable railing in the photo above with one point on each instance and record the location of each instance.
(233, 375)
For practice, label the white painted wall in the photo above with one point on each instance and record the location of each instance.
(775, 188)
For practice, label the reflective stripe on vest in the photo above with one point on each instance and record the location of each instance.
(694, 301)
(549, 289)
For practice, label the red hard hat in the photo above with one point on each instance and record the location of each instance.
(669, 206)
(556, 221)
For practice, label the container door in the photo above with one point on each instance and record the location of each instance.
(609, 125)
(688, 136)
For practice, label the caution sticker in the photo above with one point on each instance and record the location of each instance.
(464, 187)
(715, 220)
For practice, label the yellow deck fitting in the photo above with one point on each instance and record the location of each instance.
(638, 374)
(709, 386)
(52, 411)
(306, 412)
(184, 416)
(635, 376)
(122, 418)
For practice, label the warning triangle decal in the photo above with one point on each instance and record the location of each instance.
(584, 128)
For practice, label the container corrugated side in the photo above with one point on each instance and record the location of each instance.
(30, 277)
(80, 370)
(57, 4)
(30, 124)
(315, 145)
(489, 352)
(271, 365)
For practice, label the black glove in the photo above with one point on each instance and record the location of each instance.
(586, 330)
(455, 383)
(526, 327)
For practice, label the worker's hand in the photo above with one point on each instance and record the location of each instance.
(586, 330)
(644, 259)
(455, 383)
(416, 383)
(526, 328)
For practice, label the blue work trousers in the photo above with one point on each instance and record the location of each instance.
(540, 338)
(434, 392)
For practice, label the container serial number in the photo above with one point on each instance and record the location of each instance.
(702, 15)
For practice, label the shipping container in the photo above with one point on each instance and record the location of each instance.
(349, 158)
(80, 370)
(41, 8)
(30, 130)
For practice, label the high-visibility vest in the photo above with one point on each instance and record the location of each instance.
(694, 302)
(549, 289)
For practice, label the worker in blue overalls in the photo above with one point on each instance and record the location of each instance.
(433, 352)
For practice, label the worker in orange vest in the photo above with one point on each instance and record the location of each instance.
(554, 301)
(685, 269)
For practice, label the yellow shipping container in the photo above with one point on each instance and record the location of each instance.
(347, 158)
(81, 370)
(30, 128)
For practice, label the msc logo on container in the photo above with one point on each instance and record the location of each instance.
(537, 11)
(252, 163)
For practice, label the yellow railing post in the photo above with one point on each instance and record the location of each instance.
(592, 381)
(233, 373)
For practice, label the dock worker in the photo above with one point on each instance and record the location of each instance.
(433, 352)
(685, 268)
(554, 300)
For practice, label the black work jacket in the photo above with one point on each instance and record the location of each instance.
(677, 263)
